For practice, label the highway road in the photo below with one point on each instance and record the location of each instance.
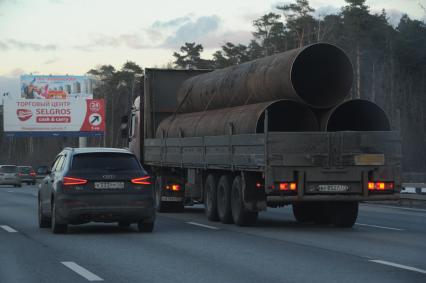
(387, 244)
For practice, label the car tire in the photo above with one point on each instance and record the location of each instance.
(210, 198)
(240, 215)
(43, 221)
(224, 200)
(57, 228)
(145, 227)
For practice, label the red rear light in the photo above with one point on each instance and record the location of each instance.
(288, 186)
(380, 186)
(146, 180)
(259, 185)
(72, 181)
(32, 173)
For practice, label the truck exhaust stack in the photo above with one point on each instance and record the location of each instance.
(319, 75)
(284, 115)
(356, 115)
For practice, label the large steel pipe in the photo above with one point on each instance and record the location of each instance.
(283, 115)
(319, 75)
(356, 115)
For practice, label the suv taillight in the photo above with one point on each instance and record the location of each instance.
(146, 180)
(72, 181)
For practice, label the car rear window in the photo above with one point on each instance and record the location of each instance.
(8, 169)
(105, 161)
(25, 170)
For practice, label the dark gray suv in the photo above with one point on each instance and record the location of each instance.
(96, 185)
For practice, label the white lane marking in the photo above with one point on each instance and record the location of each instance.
(202, 225)
(399, 265)
(8, 229)
(81, 271)
(381, 227)
(395, 207)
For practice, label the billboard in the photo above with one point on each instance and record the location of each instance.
(54, 117)
(56, 87)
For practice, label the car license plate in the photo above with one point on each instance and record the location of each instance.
(109, 185)
(333, 188)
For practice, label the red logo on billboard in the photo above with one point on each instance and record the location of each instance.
(95, 106)
(24, 114)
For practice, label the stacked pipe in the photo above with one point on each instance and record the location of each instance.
(292, 86)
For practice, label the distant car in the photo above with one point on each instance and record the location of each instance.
(27, 174)
(41, 172)
(96, 185)
(9, 175)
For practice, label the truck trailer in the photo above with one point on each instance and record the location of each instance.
(275, 131)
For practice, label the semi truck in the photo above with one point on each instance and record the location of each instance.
(275, 131)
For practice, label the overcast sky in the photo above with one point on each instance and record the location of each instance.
(73, 36)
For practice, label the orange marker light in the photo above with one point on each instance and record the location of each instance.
(283, 186)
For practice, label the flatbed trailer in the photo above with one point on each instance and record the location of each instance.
(323, 175)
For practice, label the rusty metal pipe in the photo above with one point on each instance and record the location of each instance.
(283, 115)
(319, 75)
(356, 115)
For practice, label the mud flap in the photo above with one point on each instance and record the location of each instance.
(254, 198)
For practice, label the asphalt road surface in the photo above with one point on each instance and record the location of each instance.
(386, 245)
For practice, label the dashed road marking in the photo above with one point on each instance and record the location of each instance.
(8, 229)
(399, 265)
(202, 225)
(82, 271)
(380, 227)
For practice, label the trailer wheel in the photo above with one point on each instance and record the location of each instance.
(240, 215)
(210, 198)
(321, 213)
(303, 212)
(161, 206)
(224, 200)
(344, 214)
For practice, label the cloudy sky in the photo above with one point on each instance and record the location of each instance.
(73, 36)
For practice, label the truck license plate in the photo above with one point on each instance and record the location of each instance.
(109, 185)
(333, 188)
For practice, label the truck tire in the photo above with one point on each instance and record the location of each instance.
(224, 199)
(303, 212)
(344, 214)
(321, 213)
(160, 206)
(210, 198)
(240, 215)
